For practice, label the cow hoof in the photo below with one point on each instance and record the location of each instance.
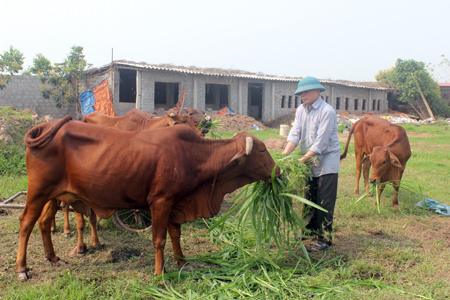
(187, 267)
(58, 262)
(395, 205)
(75, 252)
(97, 246)
(23, 276)
(369, 195)
(164, 282)
(67, 236)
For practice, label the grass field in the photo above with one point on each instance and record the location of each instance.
(399, 253)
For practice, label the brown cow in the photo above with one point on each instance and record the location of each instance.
(176, 174)
(139, 121)
(136, 120)
(383, 145)
(195, 114)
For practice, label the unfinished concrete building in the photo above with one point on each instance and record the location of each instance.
(264, 97)
(149, 87)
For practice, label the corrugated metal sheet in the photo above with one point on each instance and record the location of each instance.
(235, 74)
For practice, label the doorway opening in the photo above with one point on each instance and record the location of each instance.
(216, 96)
(166, 95)
(255, 100)
(127, 86)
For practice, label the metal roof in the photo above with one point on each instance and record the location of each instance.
(217, 72)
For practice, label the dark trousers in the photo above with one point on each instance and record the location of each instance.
(321, 191)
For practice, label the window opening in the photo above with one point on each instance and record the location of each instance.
(216, 96)
(127, 86)
(166, 95)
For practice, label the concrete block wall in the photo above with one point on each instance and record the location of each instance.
(343, 92)
(24, 92)
(284, 88)
(147, 87)
(233, 85)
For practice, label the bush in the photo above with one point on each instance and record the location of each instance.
(12, 159)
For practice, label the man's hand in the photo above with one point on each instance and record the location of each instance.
(309, 155)
(304, 159)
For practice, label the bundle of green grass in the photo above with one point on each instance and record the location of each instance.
(211, 126)
(270, 207)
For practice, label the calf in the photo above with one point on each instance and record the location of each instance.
(382, 145)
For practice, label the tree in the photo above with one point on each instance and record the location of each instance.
(409, 86)
(65, 80)
(10, 63)
(41, 66)
(385, 76)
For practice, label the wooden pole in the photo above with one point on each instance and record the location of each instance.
(423, 98)
(420, 115)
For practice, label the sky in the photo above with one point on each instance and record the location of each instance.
(337, 40)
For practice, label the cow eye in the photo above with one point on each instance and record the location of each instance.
(384, 162)
(262, 151)
(184, 121)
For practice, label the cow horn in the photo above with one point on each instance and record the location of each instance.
(234, 135)
(248, 145)
(172, 115)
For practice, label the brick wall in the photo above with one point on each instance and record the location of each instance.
(24, 92)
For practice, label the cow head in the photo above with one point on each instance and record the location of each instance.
(196, 115)
(175, 118)
(384, 165)
(253, 157)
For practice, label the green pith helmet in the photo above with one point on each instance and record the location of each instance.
(307, 84)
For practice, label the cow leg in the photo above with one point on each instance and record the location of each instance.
(45, 222)
(366, 171)
(65, 210)
(175, 233)
(94, 234)
(28, 219)
(81, 224)
(160, 222)
(396, 184)
(358, 155)
(53, 227)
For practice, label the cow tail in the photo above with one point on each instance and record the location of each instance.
(34, 138)
(343, 155)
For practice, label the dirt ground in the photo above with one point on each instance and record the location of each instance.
(237, 123)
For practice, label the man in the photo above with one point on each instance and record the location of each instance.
(315, 128)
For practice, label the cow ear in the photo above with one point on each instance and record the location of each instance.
(236, 157)
(366, 159)
(241, 153)
(394, 160)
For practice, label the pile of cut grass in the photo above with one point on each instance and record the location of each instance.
(269, 207)
(241, 271)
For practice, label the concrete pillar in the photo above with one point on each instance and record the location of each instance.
(195, 96)
(240, 96)
(332, 102)
(370, 100)
(138, 89)
(273, 99)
